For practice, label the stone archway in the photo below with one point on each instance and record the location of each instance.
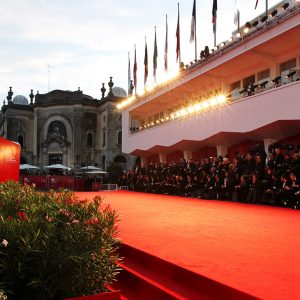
(120, 159)
(57, 137)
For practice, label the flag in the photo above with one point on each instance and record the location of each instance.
(129, 73)
(146, 63)
(134, 70)
(193, 23)
(155, 57)
(178, 38)
(256, 4)
(237, 13)
(214, 15)
(166, 46)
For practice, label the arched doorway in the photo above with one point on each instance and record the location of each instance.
(120, 159)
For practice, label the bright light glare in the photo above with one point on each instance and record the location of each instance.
(125, 102)
(221, 99)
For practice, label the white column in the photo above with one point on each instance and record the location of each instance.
(162, 157)
(267, 143)
(187, 155)
(143, 161)
(221, 150)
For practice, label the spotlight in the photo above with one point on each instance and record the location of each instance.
(274, 13)
(264, 19)
(248, 26)
(238, 34)
(181, 66)
(255, 23)
(285, 6)
(230, 39)
(276, 80)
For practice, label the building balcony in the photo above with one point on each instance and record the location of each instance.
(274, 113)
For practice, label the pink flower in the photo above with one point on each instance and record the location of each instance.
(4, 243)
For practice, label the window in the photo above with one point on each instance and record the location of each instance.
(103, 138)
(89, 139)
(103, 161)
(286, 68)
(120, 137)
(235, 85)
(288, 65)
(235, 90)
(21, 140)
(265, 74)
(55, 159)
(57, 128)
(248, 80)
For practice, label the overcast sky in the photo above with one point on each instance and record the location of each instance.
(66, 44)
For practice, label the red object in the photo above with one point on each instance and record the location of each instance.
(40, 181)
(96, 186)
(249, 248)
(79, 184)
(56, 182)
(174, 156)
(9, 160)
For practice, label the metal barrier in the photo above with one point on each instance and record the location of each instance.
(123, 187)
(109, 187)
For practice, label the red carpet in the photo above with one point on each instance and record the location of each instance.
(251, 248)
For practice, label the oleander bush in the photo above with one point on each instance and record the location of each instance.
(53, 245)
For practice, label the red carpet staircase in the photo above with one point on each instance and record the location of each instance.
(145, 276)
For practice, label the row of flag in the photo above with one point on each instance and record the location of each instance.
(193, 38)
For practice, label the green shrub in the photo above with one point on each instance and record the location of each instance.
(53, 246)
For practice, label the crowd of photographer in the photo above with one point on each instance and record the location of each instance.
(255, 177)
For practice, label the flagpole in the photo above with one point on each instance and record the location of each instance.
(145, 64)
(179, 36)
(129, 73)
(155, 56)
(238, 16)
(135, 70)
(195, 33)
(178, 52)
(214, 18)
(267, 8)
(166, 46)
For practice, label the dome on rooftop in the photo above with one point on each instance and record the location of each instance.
(119, 92)
(20, 99)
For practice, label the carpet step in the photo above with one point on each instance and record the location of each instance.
(144, 274)
(136, 286)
